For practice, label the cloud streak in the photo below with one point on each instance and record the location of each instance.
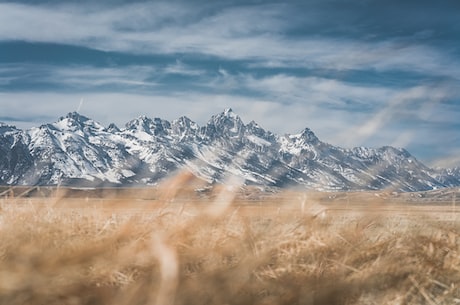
(161, 28)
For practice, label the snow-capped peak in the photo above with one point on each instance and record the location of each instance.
(184, 121)
(113, 128)
(77, 117)
(77, 149)
(5, 126)
(229, 112)
(305, 137)
(142, 123)
(226, 123)
(309, 136)
(147, 128)
(184, 127)
(74, 121)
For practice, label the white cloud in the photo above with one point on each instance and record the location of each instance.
(230, 33)
(89, 76)
(183, 69)
(409, 105)
(78, 76)
(449, 161)
(318, 91)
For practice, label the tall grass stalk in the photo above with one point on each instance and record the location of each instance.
(178, 253)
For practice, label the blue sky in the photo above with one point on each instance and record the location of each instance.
(357, 72)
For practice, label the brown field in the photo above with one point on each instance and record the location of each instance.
(175, 245)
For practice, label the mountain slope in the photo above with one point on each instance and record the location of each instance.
(76, 150)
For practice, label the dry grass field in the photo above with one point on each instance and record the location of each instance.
(170, 246)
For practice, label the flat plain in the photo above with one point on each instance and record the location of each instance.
(182, 244)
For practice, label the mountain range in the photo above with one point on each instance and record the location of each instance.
(76, 150)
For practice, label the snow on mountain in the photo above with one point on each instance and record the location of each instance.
(76, 150)
(448, 176)
(15, 158)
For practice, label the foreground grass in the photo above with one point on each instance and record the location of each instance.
(171, 255)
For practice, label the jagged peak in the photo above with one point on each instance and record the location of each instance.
(256, 129)
(184, 127)
(253, 124)
(5, 125)
(184, 121)
(74, 120)
(307, 135)
(153, 126)
(226, 115)
(142, 118)
(138, 122)
(388, 151)
(145, 119)
(226, 123)
(113, 128)
(395, 151)
(76, 117)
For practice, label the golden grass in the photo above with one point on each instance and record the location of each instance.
(179, 253)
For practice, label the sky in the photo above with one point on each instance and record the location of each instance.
(356, 72)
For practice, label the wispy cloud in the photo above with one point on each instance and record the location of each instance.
(328, 93)
(411, 103)
(79, 77)
(450, 159)
(230, 33)
(95, 76)
(181, 68)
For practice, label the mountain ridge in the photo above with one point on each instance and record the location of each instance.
(76, 150)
